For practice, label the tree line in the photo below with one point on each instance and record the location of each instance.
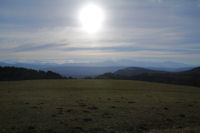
(15, 73)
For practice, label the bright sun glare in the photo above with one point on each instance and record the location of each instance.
(91, 17)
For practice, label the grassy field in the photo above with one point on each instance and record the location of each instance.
(113, 106)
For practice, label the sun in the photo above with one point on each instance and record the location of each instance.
(91, 18)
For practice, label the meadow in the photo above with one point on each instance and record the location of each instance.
(98, 106)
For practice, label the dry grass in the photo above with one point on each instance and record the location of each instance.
(105, 106)
(182, 130)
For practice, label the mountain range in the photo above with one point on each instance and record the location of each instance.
(92, 69)
(184, 75)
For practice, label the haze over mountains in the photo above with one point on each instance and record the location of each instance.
(92, 69)
(164, 72)
(188, 77)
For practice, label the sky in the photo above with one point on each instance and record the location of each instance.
(141, 30)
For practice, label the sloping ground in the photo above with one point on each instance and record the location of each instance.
(16, 73)
(180, 130)
(189, 77)
(133, 71)
(104, 106)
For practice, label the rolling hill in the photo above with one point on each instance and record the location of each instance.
(14, 73)
(189, 77)
(93, 69)
(133, 71)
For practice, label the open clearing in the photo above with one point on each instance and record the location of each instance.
(64, 106)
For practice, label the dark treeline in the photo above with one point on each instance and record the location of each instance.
(191, 77)
(14, 73)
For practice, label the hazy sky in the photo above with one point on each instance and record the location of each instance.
(141, 30)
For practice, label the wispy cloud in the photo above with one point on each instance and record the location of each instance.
(50, 30)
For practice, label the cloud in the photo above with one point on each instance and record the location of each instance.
(198, 4)
(157, 1)
(61, 44)
(50, 30)
(108, 38)
(91, 55)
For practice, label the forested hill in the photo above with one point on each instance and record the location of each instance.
(14, 73)
(189, 77)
